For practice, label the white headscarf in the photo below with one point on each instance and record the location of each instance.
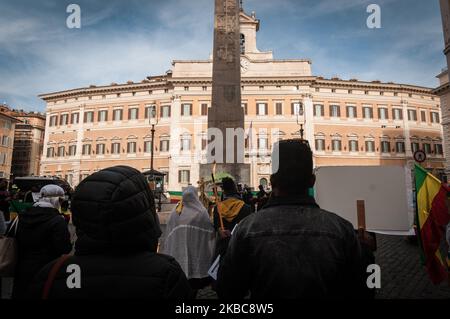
(190, 237)
(49, 196)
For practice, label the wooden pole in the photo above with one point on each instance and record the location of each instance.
(216, 194)
(361, 214)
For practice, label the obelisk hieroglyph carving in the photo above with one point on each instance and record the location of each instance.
(226, 114)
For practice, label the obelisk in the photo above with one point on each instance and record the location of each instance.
(226, 114)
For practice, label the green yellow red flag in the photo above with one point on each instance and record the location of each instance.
(432, 218)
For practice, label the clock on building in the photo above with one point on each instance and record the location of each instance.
(244, 65)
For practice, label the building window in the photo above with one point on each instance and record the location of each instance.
(335, 111)
(117, 115)
(186, 88)
(400, 147)
(72, 150)
(5, 141)
(185, 143)
(100, 149)
(244, 105)
(263, 143)
(102, 116)
(204, 88)
(133, 114)
(262, 109)
(115, 148)
(438, 149)
(412, 115)
(296, 108)
(353, 146)
(318, 110)
(427, 148)
(186, 110)
(149, 110)
(397, 114)
(50, 152)
(61, 151)
(370, 146)
(88, 117)
(53, 120)
(74, 118)
(434, 117)
(367, 112)
(385, 147)
(423, 116)
(204, 109)
(336, 145)
(184, 176)
(383, 114)
(131, 148)
(86, 149)
(279, 108)
(164, 145)
(165, 111)
(351, 112)
(63, 119)
(414, 147)
(148, 146)
(320, 144)
(242, 43)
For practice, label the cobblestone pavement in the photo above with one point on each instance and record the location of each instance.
(402, 275)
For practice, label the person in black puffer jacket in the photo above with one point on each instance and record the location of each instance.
(41, 235)
(118, 230)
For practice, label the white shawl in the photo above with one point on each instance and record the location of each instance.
(190, 236)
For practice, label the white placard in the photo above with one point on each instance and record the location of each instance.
(386, 190)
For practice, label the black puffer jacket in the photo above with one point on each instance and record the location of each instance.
(118, 232)
(42, 236)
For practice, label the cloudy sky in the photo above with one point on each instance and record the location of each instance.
(123, 40)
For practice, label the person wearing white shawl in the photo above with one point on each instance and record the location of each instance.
(49, 197)
(190, 238)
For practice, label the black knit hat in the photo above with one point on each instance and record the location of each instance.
(292, 163)
(115, 208)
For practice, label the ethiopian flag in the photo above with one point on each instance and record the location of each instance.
(432, 218)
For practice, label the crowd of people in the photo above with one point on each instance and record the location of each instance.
(275, 245)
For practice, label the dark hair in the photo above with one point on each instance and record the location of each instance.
(295, 166)
(229, 186)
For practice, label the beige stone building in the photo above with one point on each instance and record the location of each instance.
(7, 128)
(28, 143)
(347, 122)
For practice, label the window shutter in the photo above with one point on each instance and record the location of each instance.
(266, 109)
(314, 110)
(338, 110)
(190, 109)
(179, 176)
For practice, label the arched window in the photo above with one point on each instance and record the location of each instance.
(263, 182)
(242, 44)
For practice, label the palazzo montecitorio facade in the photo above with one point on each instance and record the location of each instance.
(347, 122)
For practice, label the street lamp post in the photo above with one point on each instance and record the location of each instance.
(300, 113)
(153, 122)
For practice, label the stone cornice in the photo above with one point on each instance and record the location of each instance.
(313, 81)
(102, 90)
(443, 89)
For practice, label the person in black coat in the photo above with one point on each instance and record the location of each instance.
(116, 249)
(42, 236)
